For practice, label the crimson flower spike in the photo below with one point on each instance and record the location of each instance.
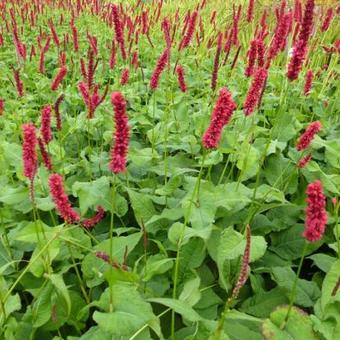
(308, 82)
(120, 148)
(251, 58)
(91, 222)
(45, 130)
(44, 154)
(57, 111)
(18, 83)
(59, 78)
(328, 19)
(301, 46)
(250, 12)
(216, 61)
(244, 272)
(255, 91)
(316, 215)
(29, 154)
(308, 136)
(189, 32)
(181, 78)
(124, 76)
(220, 117)
(60, 199)
(161, 64)
(119, 30)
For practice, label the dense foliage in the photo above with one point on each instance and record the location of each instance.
(169, 169)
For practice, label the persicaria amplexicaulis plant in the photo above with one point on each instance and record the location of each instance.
(308, 82)
(93, 221)
(62, 72)
(44, 154)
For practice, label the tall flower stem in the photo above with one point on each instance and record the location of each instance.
(111, 236)
(293, 292)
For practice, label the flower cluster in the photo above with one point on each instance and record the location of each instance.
(120, 149)
(91, 222)
(221, 115)
(316, 216)
(307, 137)
(255, 91)
(29, 154)
(61, 200)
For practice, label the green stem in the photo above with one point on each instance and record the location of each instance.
(111, 238)
(293, 292)
(180, 240)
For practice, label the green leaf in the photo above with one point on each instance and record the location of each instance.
(323, 261)
(307, 292)
(93, 194)
(263, 303)
(328, 294)
(156, 265)
(191, 293)
(179, 307)
(58, 282)
(298, 327)
(130, 311)
(142, 206)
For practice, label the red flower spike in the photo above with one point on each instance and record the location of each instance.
(45, 130)
(308, 136)
(18, 83)
(301, 46)
(316, 216)
(220, 117)
(190, 31)
(250, 12)
(118, 30)
(251, 58)
(244, 272)
(161, 64)
(308, 82)
(328, 20)
(120, 148)
(57, 111)
(304, 161)
(59, 78)
(181, 78)
(29, 154)
(44, 154)
(216, 61)
(91, 222)
(255, 91)
(124, 77)
(61, 200)
(2, 106)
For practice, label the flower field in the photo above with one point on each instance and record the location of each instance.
(169, 169)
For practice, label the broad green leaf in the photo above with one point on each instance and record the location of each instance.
(179, 307)
(307, 292)
(93, 194)
(58, 282)
(329, 293)
(298, 327)
(191, 293)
